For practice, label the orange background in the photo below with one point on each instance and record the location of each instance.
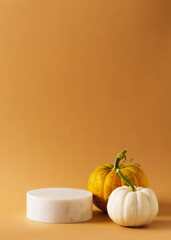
(80, 81)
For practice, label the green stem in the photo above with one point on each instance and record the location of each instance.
(120, 156)
(126, 180)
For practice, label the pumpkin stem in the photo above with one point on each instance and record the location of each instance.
(133, 189)
(120, 156)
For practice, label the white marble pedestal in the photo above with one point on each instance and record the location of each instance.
(59, 205)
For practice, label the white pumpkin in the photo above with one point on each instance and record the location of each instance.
(132, 206)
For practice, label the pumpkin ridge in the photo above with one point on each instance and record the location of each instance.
(104, 184)
(148, 199)
(124, 206)
(116, 198)
(138, 181)
(127, 170)
(107, 171)
(136, 215)
(141, 176)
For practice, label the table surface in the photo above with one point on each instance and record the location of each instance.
(17, 226)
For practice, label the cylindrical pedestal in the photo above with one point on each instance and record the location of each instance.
(59, 205)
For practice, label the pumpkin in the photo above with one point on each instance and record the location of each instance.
(104, 179)
(131, 206)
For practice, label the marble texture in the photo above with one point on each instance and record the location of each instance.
(59, 205)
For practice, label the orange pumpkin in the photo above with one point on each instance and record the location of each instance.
(104, 179)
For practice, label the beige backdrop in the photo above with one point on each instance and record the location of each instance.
(80, 81)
